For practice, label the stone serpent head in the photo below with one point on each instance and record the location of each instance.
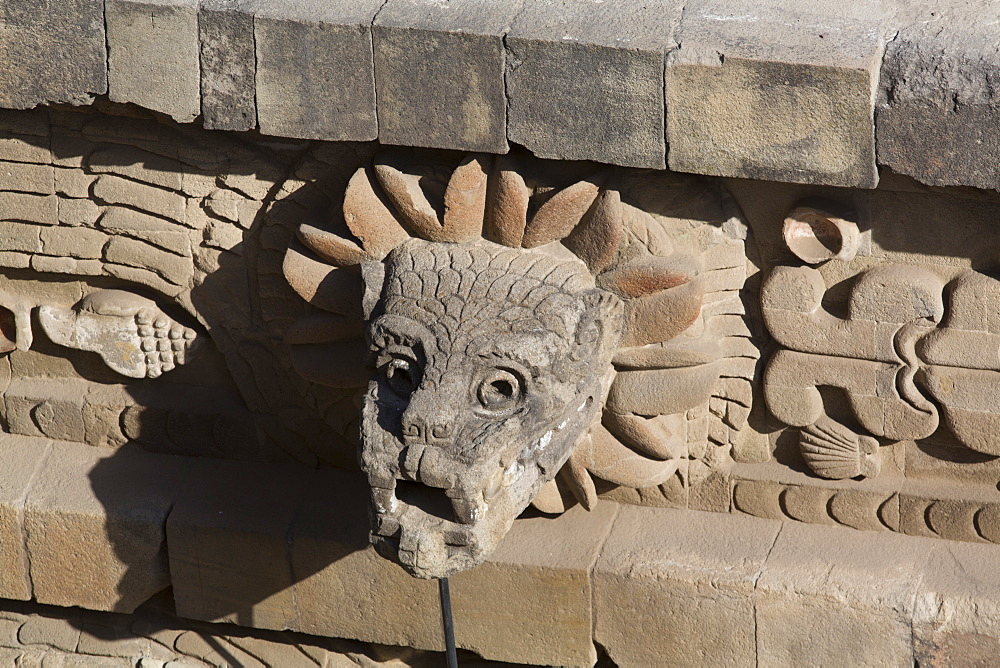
(489, 365)
(507, 319)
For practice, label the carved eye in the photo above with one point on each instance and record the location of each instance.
(588, 333)
(500, 391)
(402, 375)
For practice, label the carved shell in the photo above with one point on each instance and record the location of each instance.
(833, 451)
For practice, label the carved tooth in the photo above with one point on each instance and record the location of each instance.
(467, 511)
(494, 485)
(384, 500)
(387, 525)
(512, 473)
(458, 536)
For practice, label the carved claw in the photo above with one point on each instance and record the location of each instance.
(605, 457)
(648, 435)
(130, 333)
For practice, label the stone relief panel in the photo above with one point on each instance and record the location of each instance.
(881, 374)
(134, 263)
(527, 331)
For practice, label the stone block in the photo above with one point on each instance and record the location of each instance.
(228, 66)
(25, 123)
(53, 632)
(827, 593)
(14, 260)
(153, 55)
(52, 55)
(19, 237)
(936, 117)
(116, 190)
(585, 80)
(143, 277)
(65, 265)
(228, 543)
(538, 583)
(315, 72)
(676, 587)
(37, 407)
(29, 208)
(439, 70)
(24, 148)
(120, 219)
(135, 253)
(75, 212)
(72, 182)
(956, 621)
(136, 164)
(27, 178)
(343, 587)
(94, 522)
(777, 91)
(81, 242)
(20, 459)
(538, 578)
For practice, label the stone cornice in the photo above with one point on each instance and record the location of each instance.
(768, 90)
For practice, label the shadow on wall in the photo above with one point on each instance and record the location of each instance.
(239, 540)
(187, 219)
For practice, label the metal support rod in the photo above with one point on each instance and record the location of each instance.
(449, 624)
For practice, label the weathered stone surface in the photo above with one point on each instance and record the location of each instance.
(937, 117)
(538, 578)
(777, 91)
(36, 407)
(228, 65)
(153, 55)
(81, 242)
(439, 70)
(116, 190)
(333, 97)
(20, 237)
(52, 56)
(676, 588)
(24, 148)
(957, 616)
(585, 80)
(137, 165)
(72, 182)
(875, 577)
(20, 459)
(95, 527)
(75, 212)
(135, 253)
(52, 632)
(342, 585)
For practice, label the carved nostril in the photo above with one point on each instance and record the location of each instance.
(441, 431)
(414, 430)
